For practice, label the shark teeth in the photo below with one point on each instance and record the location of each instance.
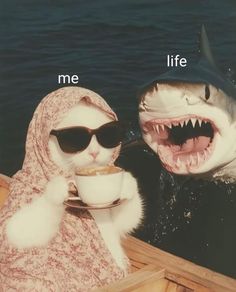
(162, 127)
(193, 121)
(206, 153)
(157, 129)
(198, 158)
(178, 162)
(193, 161)
(183, 143)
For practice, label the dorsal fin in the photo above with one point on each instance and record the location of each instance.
(205, 48)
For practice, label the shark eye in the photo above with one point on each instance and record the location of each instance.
(207, 92)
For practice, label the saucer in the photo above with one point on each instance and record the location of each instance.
(78, 204)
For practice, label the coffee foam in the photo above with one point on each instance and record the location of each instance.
(102, 170)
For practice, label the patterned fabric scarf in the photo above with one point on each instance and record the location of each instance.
(76, 259)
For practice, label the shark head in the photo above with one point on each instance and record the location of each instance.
(188, 117)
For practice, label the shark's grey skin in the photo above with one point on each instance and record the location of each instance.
(198, 99)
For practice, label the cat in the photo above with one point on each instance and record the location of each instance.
(47, 211)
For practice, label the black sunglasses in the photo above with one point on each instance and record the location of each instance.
(77, 139)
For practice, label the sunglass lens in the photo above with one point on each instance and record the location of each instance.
(73, 140)
(110, 135)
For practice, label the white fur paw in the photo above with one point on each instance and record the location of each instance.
(128, 215)
(35, 224)
(57, 190)
(129, 187)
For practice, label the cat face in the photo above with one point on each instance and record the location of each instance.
(91, 117)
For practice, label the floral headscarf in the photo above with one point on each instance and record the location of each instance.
(77, 258)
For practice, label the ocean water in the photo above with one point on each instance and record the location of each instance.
(115, 47)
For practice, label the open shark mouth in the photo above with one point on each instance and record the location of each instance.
(182, 143)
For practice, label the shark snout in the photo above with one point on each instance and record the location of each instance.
(166, 98)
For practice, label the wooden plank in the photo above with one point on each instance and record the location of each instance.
(4, 180)
(4, 188)
(152, 279)
(135, 280)
(162, 285)
(147, 254)
(188, 284)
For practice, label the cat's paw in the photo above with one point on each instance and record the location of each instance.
(129, 187)
(57, 190)
(127, 216)
(35, 224)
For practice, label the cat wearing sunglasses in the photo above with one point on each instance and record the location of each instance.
(87, 137)
(46, 246)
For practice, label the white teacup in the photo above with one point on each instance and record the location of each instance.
(99, 186)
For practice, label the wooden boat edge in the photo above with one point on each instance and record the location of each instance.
(151, 265)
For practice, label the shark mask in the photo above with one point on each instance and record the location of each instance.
(188, 117)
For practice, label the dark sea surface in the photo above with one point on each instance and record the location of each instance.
(114, 47)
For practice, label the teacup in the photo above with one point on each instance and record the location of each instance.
(99, 186)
